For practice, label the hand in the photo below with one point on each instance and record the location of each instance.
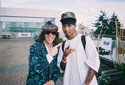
(49, 83)
(67, 51)
(86, 83)
(53, 51)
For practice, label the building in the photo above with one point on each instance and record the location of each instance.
(21, 22)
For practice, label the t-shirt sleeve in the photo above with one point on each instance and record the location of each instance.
(92, 59)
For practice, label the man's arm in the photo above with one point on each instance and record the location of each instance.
(63, 63)
(90, 76)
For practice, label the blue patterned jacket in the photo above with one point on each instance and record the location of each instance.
(40, 71)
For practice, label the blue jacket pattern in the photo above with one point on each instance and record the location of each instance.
(40, 71)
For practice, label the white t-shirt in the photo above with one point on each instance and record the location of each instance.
(79, 61)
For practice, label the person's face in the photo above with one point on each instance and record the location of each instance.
(69, 30)
(50, 36)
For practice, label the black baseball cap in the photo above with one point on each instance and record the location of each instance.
(68, 18)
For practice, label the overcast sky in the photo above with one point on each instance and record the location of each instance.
(86, 10)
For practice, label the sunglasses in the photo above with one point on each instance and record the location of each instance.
(48, 32)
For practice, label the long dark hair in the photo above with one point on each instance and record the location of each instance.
(41, 38)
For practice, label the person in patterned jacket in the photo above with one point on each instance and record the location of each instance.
(43, 69)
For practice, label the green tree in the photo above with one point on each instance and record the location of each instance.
(101, 24)
(114, 25)
(107, 26)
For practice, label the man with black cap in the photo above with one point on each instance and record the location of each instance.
(79, 64)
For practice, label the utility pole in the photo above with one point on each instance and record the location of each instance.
(116, 57)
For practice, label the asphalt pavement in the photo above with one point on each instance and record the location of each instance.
(14, 61)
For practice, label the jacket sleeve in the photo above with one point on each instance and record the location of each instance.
(36, 63)
(54, 69)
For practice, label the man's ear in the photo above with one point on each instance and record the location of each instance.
(75, 26)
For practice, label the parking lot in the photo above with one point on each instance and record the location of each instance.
(14, 60)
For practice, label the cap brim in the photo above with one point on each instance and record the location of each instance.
(68, 21)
